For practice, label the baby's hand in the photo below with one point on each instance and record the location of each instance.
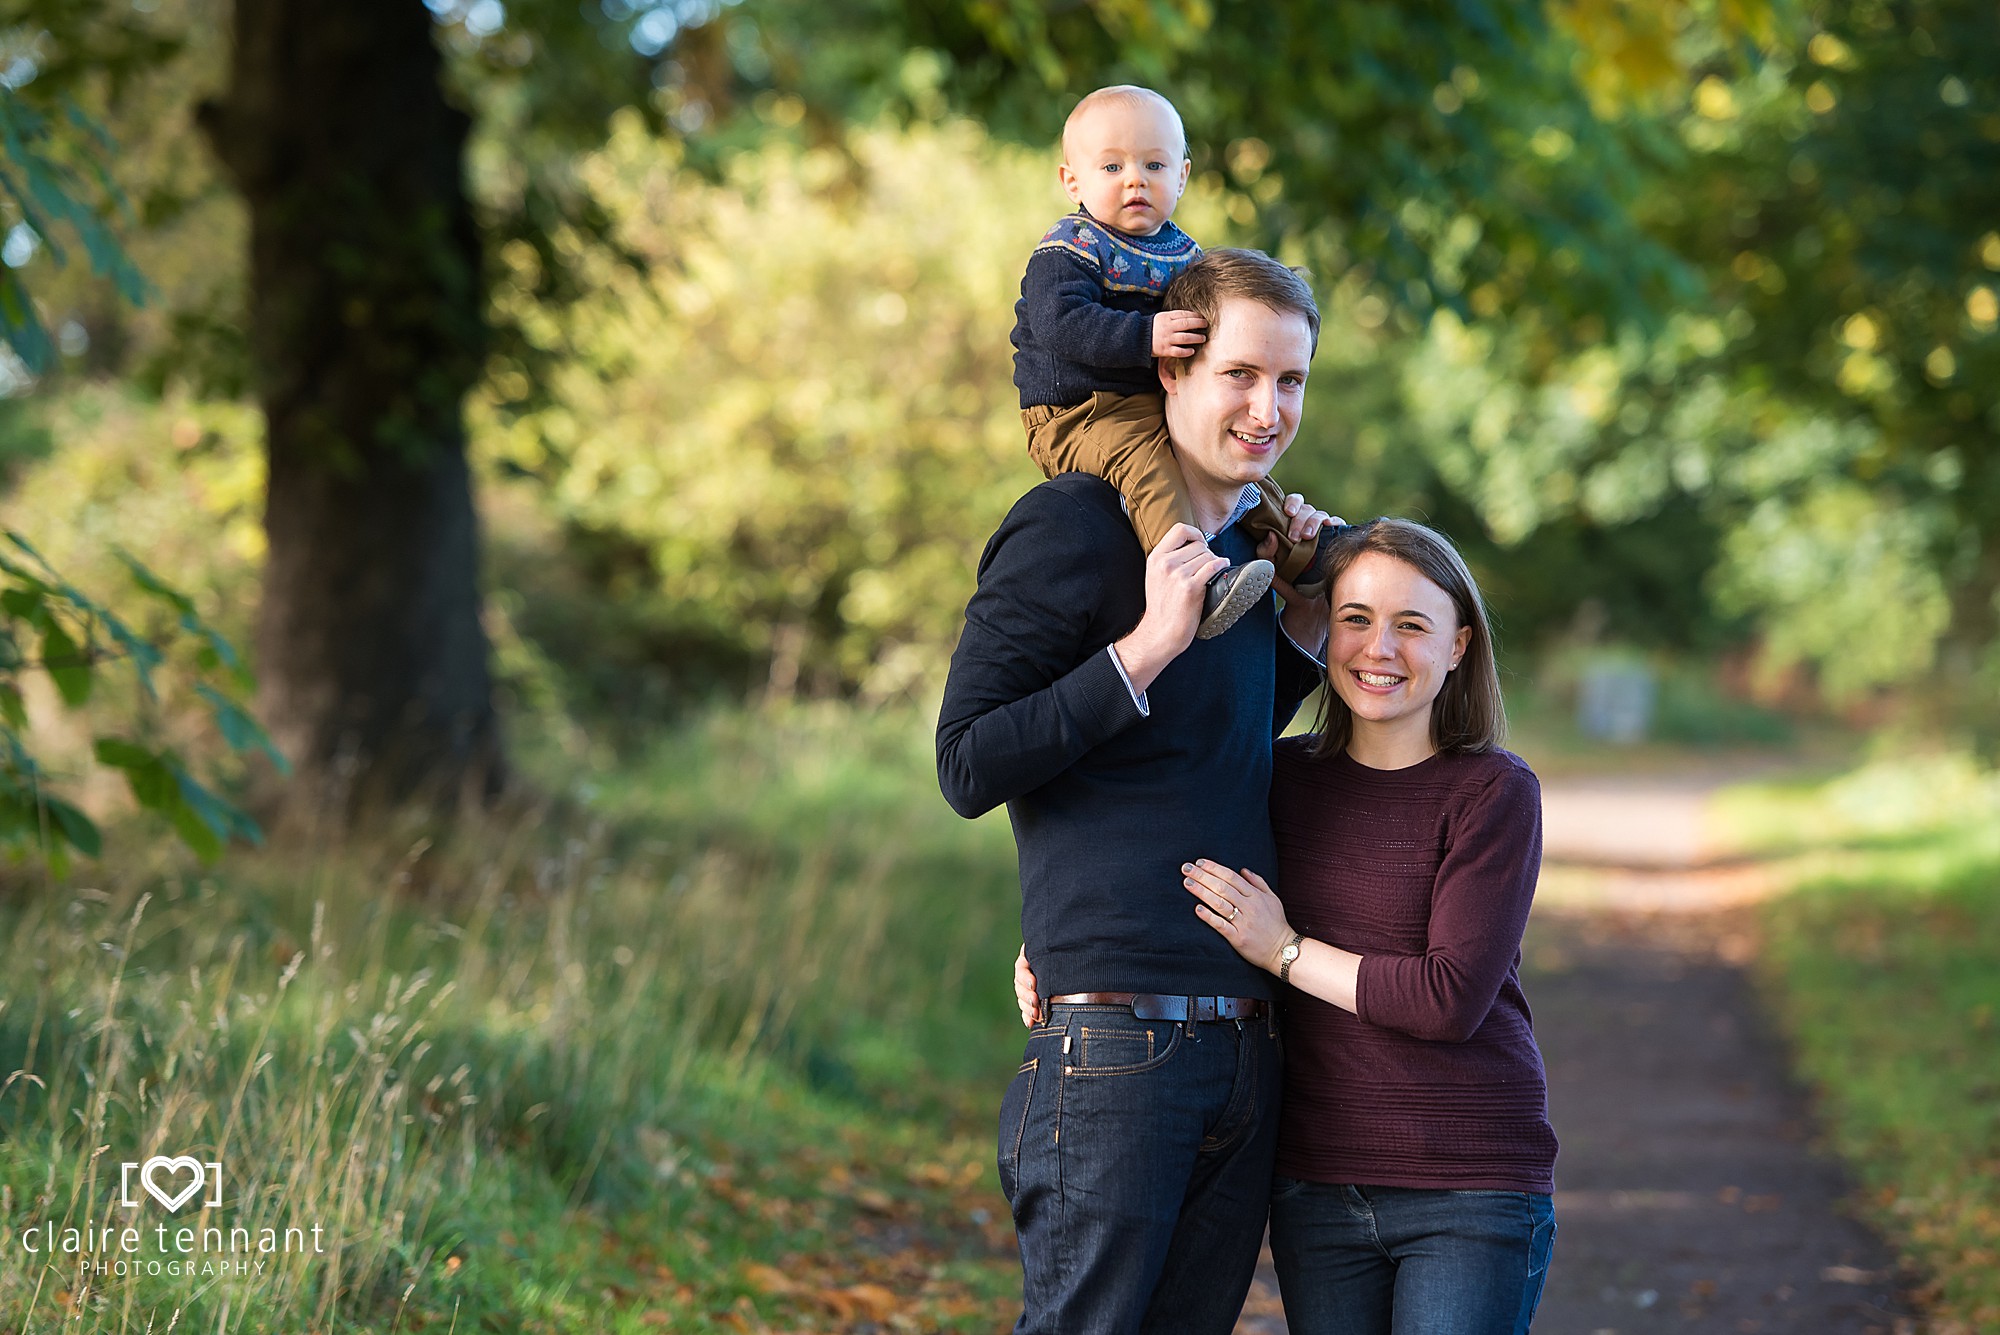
(1178, 333)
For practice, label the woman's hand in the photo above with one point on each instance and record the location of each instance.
(1025, 995)
(1242, 908)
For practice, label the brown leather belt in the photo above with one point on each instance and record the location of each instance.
(1149, 1006)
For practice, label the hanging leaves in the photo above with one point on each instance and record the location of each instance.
(56, 175)
(75, 640)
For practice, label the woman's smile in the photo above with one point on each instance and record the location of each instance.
(1395, 638)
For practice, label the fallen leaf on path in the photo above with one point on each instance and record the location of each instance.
(872, 1301)
(874, 1201)
(767, 1278)
(932, 1175)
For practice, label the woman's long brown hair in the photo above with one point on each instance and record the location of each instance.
(1468, 714)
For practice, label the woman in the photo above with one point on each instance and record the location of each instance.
(1415, 1161)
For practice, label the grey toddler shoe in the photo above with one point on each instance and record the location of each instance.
(1230, 594)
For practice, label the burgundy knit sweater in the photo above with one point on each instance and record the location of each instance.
(1427, 873)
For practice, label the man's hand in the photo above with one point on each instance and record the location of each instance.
(1177, 574)
(1178, 333)
(1307, 620)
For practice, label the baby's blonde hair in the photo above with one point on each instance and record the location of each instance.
(1125, 94)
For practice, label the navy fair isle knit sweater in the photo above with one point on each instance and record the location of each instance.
(1084, 322)
(1107, 803)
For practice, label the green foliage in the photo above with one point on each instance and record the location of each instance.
(1830, 405)
(57, 178)
(1684, 308)
(798, 414)
(1872, 265)
(48, 625)
(1450, 147)
(1786, 539)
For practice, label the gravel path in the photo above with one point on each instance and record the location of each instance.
(1691, 1193)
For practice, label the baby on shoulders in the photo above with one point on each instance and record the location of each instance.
(1089, 326)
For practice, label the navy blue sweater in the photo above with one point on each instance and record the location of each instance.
(1084, 322)
(1108, 803)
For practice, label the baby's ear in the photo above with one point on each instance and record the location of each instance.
(1071, 186)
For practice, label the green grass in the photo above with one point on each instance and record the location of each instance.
(1884, 963)
(707, 1044)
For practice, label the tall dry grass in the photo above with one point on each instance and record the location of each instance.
(436, 1035)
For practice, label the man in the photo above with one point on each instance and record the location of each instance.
(1136, 1142)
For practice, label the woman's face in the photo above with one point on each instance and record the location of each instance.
(1395, 636)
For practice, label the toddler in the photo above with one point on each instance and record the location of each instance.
(1089, 325)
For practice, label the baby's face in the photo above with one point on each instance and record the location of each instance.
(1126, 164)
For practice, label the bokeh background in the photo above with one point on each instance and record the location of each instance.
(571, 432)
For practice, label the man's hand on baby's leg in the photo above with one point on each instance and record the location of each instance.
(1177, 570)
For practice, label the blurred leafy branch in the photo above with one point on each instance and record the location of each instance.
(50, 626)
(57, 177)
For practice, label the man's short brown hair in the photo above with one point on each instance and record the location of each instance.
(1203, 286)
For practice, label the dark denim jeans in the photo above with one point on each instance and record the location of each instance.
(1358, 1260)
(1137, 1158)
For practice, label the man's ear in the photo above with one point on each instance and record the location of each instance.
(1170, 372)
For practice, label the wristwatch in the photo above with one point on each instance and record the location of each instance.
(1288, 955)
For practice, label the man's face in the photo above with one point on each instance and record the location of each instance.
(1234, 407)
(1125, 163)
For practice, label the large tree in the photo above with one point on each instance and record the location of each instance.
(366, 327)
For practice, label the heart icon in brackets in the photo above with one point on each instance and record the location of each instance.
(173, 1167)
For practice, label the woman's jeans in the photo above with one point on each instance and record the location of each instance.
(1137, 1157)
(1359, 1260)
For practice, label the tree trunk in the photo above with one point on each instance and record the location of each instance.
(366, 330)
